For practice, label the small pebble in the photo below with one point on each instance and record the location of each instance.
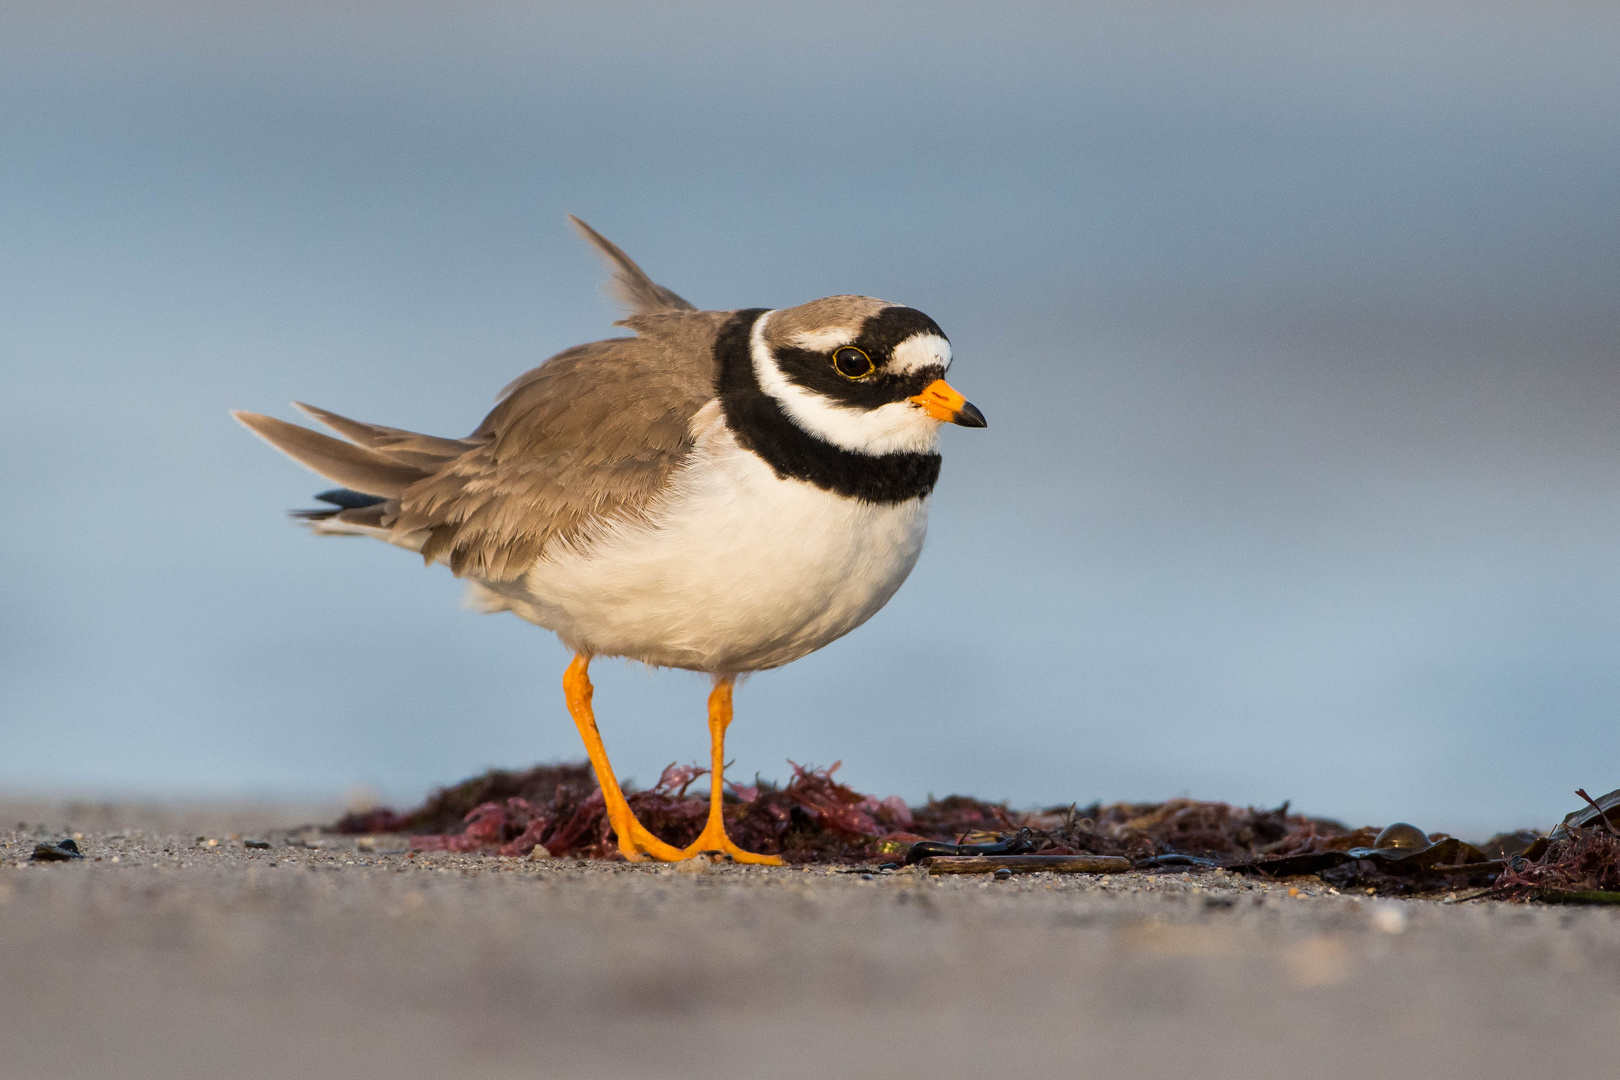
(1390, 918)
(1003, 874)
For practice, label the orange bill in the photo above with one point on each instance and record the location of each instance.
(941, 401)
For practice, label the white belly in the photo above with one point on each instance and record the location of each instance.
(736, 571)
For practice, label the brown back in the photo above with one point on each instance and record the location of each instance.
(588, 438)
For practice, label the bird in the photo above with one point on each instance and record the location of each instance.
(724, 491)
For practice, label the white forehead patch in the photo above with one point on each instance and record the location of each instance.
(825, 339)
(920, 351)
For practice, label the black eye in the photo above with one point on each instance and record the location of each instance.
(852, 363)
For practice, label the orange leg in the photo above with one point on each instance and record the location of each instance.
(634, 839)
(713, 837)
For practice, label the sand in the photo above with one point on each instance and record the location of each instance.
(162, 956)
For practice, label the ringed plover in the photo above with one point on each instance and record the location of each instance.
(725, 492)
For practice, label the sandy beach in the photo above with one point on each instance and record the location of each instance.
(173, 950)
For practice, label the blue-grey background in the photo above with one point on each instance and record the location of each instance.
(1298, 329)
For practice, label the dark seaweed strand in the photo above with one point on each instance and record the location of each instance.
(761, 426)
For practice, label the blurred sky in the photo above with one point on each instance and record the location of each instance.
(1298, 329)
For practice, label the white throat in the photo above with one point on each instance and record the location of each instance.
(898, 427)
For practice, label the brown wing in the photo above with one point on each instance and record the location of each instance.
(589, 437)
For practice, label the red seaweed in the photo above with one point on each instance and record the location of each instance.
(814, 818)
(1580, 860)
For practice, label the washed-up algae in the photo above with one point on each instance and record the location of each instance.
(811, 819)
(1578, 862)
(558, 810)
(815, 818)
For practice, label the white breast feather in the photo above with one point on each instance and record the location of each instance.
(736, 570)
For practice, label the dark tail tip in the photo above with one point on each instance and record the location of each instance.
(345, 499)
(341, 498)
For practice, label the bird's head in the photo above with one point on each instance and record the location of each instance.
(860, 373)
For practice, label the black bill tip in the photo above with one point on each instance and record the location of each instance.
(969, 416)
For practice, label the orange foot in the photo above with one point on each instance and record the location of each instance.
(713, 838)
(635, 842)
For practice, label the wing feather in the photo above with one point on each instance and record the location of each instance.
(630, 284)
(589, 438)
(352, 466)
(409, 447)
